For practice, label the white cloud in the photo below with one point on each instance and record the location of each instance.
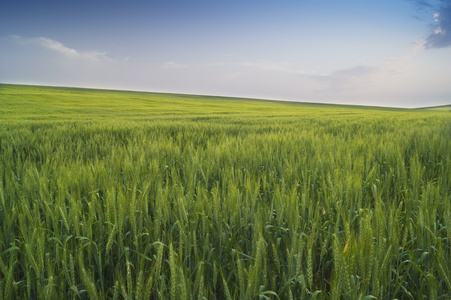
(55, 45)
(436, 17)
(438, 30)
(61, 48)
(173, 64)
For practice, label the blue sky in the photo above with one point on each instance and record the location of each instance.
(385, 52)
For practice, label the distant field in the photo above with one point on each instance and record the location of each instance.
(34, 103)
(442, 107)
(131, 195)
(447, 108)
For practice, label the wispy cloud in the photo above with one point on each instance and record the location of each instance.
(271, 66)
(173, 64)
(339, 79)
(334, 81)
(61, 48)
(260, 66)
(440, 37)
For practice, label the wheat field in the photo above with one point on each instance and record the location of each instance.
(128, 195)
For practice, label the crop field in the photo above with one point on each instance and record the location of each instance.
(445, 107)
(129, 195)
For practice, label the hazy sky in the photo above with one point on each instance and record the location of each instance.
(370, 52)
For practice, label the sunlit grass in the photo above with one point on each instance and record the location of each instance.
(127, 195)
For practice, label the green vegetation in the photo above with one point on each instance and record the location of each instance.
(442, 107)
(126, 195)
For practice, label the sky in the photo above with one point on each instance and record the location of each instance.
(393, 53)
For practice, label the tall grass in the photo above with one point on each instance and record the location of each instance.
(149, 196)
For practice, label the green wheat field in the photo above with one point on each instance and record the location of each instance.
(130, 195)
